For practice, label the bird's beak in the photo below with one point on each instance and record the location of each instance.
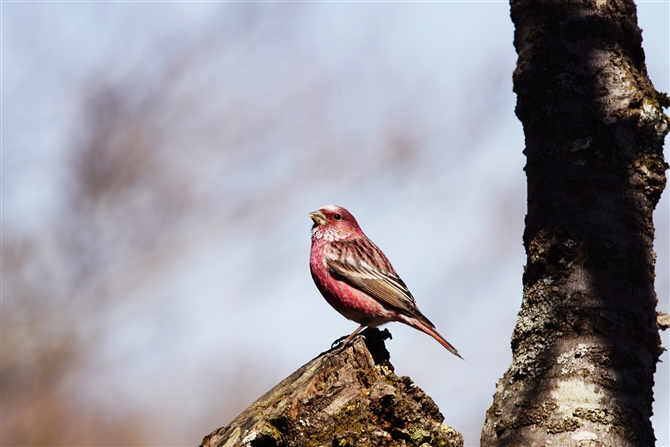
(317, 217)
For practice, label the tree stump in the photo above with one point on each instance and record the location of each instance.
(344, 397)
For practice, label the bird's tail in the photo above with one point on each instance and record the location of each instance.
(430, 330)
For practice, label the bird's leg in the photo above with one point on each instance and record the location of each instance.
(346, 339)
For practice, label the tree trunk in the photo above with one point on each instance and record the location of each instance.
(586, 342)
(344, 397)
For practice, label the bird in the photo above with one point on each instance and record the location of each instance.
(357, 279)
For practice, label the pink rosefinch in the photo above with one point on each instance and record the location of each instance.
(355, 277)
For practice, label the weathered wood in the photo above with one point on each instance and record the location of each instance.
(344, 397)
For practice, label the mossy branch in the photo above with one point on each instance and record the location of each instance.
(344, 397)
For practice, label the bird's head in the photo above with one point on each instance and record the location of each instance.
(334, 223)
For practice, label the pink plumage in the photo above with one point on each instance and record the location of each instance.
(355, 277)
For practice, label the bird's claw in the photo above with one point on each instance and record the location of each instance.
(342, 342)
(338, 342)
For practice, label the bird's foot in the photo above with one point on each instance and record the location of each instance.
(343, 342)
(339, 343)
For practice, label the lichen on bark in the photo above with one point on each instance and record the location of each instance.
(344, 397)
(586, 342)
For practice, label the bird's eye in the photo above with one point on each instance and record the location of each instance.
(337, 216)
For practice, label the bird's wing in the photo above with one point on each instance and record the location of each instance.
(360, 263)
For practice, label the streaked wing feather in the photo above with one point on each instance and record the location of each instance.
(362, 264)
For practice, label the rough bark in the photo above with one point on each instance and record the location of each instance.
(586, 342)
(344, 397)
